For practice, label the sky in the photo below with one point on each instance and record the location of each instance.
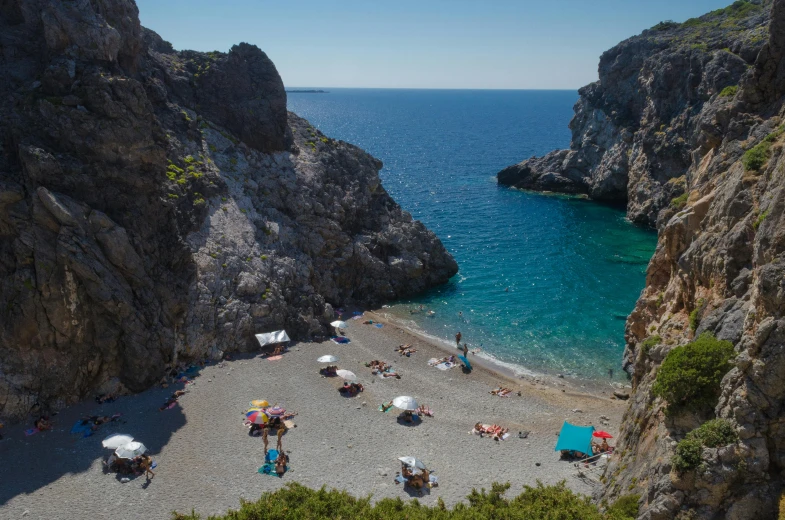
(479, 44)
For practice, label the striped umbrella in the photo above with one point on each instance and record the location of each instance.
(257, 417)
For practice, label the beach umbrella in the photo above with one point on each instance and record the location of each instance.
(405, 402)
(257, 417)
(259, 403)
(465, 362)
(602, 434)
(130, 450)
(347, 374)
(275, 410)
(116, 440)
(329, 358)
(338, 324)
(412, 462)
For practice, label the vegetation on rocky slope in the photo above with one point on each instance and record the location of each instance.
(295, 501)
(711, 434)
(690, 375)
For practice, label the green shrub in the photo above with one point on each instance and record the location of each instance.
(680, 201)
(695, 314)
(624, 508)
(756, 157)
(760, 219)
(664, 26)
(692, 22)
(729, 91)
(711, 434)
(649, 342)
(690, 375)
(295, 501)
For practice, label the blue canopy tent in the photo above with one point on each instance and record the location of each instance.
(575, 438)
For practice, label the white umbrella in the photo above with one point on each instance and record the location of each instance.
(346, 374)
(338, 324)
(405, 402)
(412, 462)
(116, 440)
(130, 450)
(329, 358)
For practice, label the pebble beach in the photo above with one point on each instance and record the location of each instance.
(206, 461)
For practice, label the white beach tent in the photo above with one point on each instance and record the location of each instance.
(271, 338)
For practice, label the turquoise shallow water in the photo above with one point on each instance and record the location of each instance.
(545, 282)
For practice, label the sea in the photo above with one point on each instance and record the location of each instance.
(546, 281)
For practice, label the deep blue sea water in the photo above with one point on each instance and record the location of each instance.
(545, 282)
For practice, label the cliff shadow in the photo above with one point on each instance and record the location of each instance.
(33, 462)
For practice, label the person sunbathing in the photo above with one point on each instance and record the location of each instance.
(501, 391)
(43, 424)
(386, 406)
(391, 374)
(329, 371)
(424, 410)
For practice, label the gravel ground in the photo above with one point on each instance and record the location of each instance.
(208, 462)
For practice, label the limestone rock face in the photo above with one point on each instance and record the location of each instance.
(635, 130)
(721, 258)
(157, 204)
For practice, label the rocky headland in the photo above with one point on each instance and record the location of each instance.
(158, 205)
(635, 130)
(686, 127)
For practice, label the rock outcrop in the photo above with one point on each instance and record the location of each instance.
(719, 267)
(159, 205)
(635, 130)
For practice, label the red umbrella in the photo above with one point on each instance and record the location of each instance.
(602, 434)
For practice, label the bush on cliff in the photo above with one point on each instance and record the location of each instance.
(711, 434)
(690, 375)
(756, 157)
(295, 501)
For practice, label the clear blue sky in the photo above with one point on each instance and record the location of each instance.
(519, 44)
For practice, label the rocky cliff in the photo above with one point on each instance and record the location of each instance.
(635, 129)
(157, 204)
(719, 267)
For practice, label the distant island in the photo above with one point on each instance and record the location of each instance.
(307, 92)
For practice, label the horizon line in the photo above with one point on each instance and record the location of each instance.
(286, 87)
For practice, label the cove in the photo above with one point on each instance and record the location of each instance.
(545, 282)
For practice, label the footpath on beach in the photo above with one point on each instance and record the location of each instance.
(207, 461)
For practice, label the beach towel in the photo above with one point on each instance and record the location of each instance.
(274, 358)
(433, 362)
(378, 325)
(31, 431)
(78, 428)
(357, 317)
(340, 340)
(289, 424)
(445, 366)
(381, 408)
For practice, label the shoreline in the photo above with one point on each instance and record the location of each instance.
(500, 368)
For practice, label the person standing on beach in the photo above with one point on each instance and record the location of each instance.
(458, 340)
(279, 446)
(264, 438)
(465, 350)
